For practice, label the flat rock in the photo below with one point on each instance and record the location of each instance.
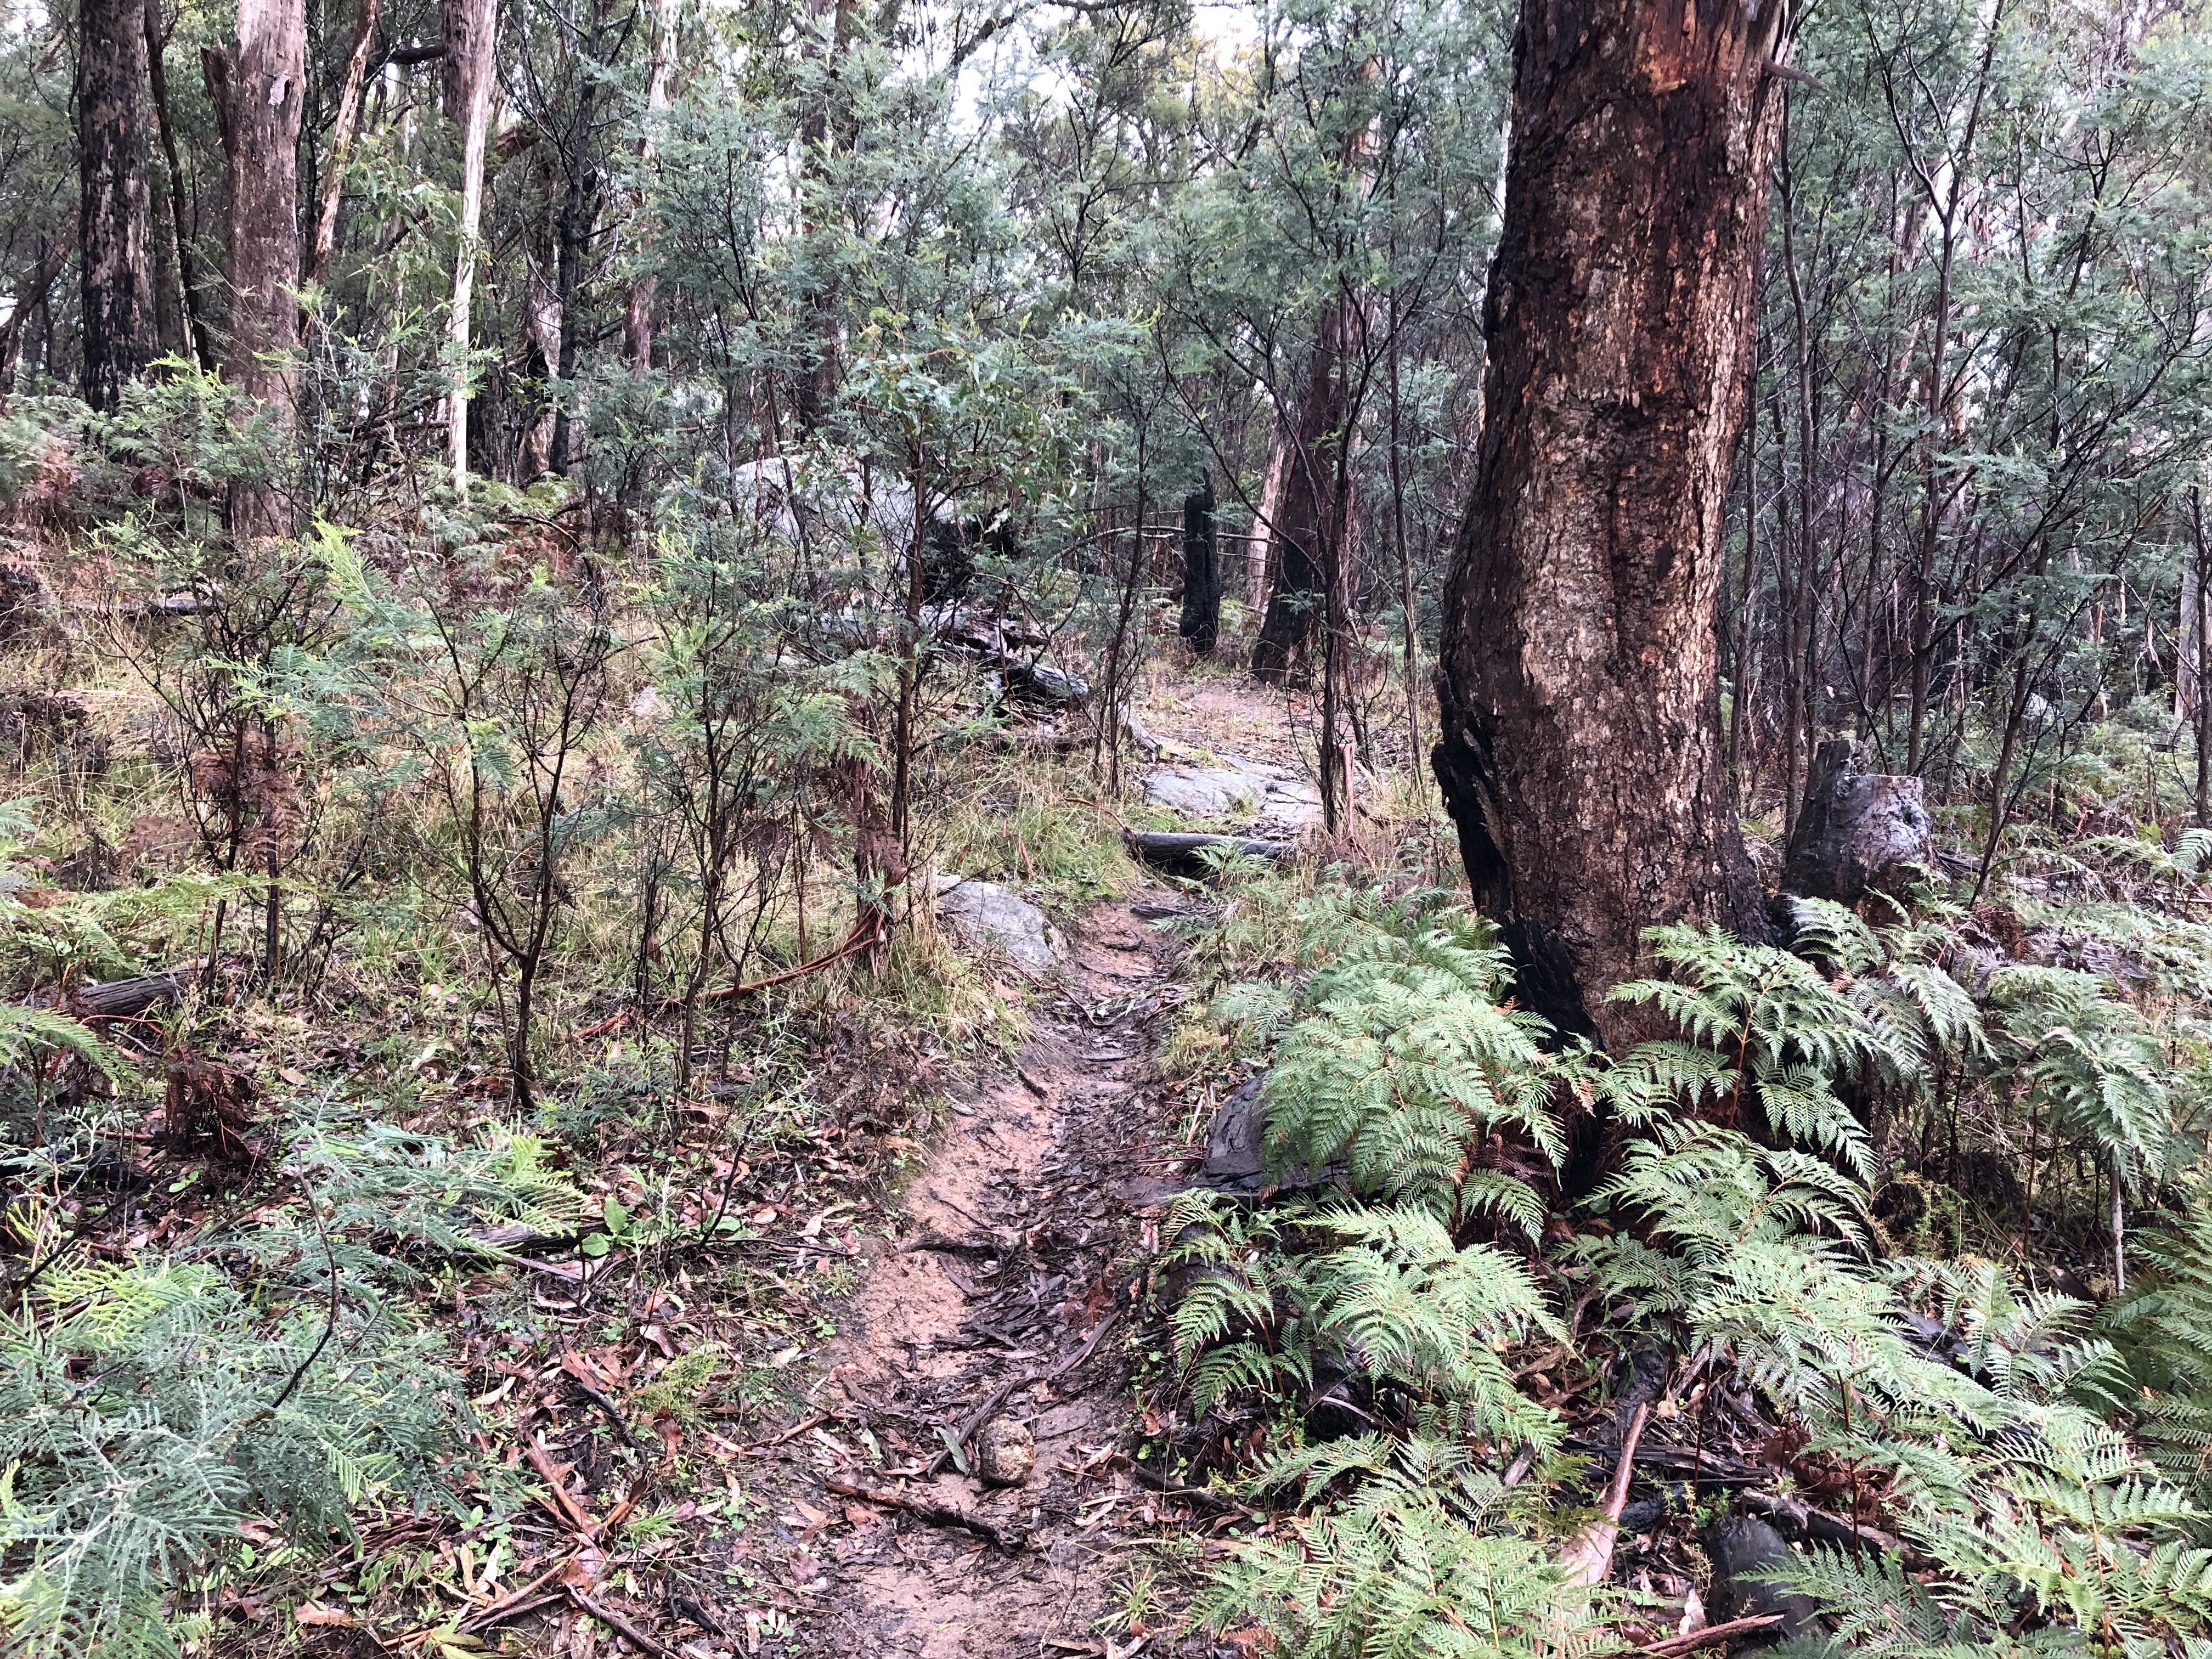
(1235, 791)
(984, 912)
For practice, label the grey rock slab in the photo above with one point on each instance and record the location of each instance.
(1239, 791)
(984, 912)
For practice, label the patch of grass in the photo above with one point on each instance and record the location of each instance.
(1044, 836)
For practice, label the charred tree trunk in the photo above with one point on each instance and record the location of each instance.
(264, 93)
(1305, 537)
(115, 216)
(187, 275)
(1201, 573)
(1581, 749)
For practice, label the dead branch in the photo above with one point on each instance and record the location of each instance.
(938, 1514)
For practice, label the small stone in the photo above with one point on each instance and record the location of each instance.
(1005, 1453)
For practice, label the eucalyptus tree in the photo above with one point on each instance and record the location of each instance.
(115, 219)
(1580, 750)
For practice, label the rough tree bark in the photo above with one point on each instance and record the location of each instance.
(1306, 535)
(115, 216)
(1580, 751)
(259, 112)
(188, 277)
(471, 33)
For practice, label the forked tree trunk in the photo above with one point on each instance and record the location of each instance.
(115, 219)
(471, 33)
(1580, 748)
(261, 122)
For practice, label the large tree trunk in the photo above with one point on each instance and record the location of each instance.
(1581, 749)
(1306, 540)
(260, 116)
(115, 219)
(471, 33)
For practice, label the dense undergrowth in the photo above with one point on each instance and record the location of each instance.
(442, 955)
(1899, 1236)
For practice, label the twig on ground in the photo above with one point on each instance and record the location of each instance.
(938, 1514)
(939, 1244)
(566, 1506)
(980, 1416)
(1699, 1638)
(615, 1622)
(1589, 1558)
(999, 1396)
(509, 1605)
(870, 932)
(1201, 1495)
(592, 1391)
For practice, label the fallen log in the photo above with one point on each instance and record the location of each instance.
(1180, 849)
(127, 999)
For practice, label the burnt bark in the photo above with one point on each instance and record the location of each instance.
(1580, 751)
(264, 90)
(115, 215)
(1201, 573)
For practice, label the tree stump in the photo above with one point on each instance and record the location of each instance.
(1856, 831)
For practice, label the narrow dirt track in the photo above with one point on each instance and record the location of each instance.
(1011, 1270)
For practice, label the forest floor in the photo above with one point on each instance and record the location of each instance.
(1004, 1290)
